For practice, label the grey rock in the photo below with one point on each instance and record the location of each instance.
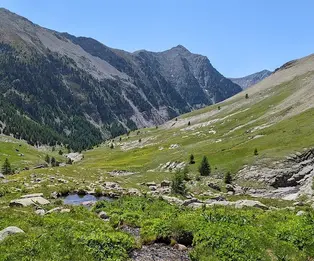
(103, 215)
(301, 213)
(25, 202)
(250, 203)
(180, 247)
(165, 183)
(40, 212)
(214, 186)
(35, 195)
(2, 176)
(9, 231)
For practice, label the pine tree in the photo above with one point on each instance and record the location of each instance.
(189, 123)
(53, 162)
(204, 168)
(47, 159)
(6, 168)
(255, 152)
(60, 152)
(246, 96)
(69, 161)
(111, 146)
(192, 161)
(178, 185)
(228, 178)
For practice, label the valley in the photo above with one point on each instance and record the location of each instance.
(149, 156)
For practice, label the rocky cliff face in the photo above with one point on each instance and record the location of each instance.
(81, 91)
(250, 80)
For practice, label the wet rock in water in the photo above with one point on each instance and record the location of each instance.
(9, 231)
(159, 252)
(25, 202)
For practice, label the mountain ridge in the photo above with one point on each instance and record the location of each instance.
(252, 79)
(110, 91)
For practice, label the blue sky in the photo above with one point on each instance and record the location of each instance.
(238, 36)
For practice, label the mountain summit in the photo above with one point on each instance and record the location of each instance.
(77, 91)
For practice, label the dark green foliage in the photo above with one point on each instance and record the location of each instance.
(219, 108)
(53, 162)
(60, 152)
(111, 146)
(218, 233)
(6, 167)
(255, 152)
(185, 173)
(204, 168)
(246, 96)
(189, 123)
(228, 178)
(140, 140)
(178, 185)
(69, 161)
(47, 159)
(192, 161)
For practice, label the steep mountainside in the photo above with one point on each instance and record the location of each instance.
(77, 91)
(250, 80)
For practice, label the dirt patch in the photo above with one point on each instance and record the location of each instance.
(159, 252)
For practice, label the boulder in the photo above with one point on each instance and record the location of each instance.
(65, 210)
(54, 195)
(172, 200)
(250, 203)
(214, 186)
(301, 213)
(180, 247)
(103, 215)
(230, 188)
(40, 212)
(151, 184)
(165, 183)
(190, 201)
(2, 176)
(35, 195)
(9, 231)
(25, 202)
(152, 188)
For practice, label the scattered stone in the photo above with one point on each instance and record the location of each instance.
(214, 186)
(152, 188)
(103, 215)
(151, 184)
(40, 212)
(165, 183)
(230, 188)
(250, 203)
(2, 176)
(301, 213)
(298, 204)
(9, 231)
(54, 195)
(174, 146)
(180, 247)
(65, 210)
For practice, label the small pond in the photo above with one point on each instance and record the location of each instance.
(75, 199)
